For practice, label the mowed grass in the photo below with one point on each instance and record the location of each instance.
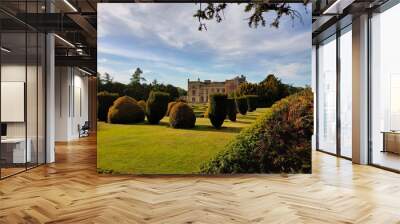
(159, 149)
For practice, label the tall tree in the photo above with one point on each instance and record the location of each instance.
(136, 77)
(107, 79)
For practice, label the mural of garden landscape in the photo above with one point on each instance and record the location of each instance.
(203, 89)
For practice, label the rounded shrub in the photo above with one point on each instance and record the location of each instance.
(142, 104)
(182, 116)
(125, 110)
(105, 101)
(156, 106)
(231, 109)
(252, 101)
(169, 107)
(217, 109)
(241, 103)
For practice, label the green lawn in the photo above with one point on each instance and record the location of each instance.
(159, 149)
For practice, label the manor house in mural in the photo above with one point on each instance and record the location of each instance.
(198, 91)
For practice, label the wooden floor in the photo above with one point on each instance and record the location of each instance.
(70, 191)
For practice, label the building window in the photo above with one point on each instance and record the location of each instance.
(346, 93)
(193, 92)
(201, 99)
(327, 96)
(217, 90)
(385, 89)
(193, 99)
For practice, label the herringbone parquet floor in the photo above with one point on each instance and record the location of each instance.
(70, 191)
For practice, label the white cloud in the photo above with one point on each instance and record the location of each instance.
(176, 27)
(158, 35)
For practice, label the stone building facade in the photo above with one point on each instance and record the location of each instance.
(199, 91)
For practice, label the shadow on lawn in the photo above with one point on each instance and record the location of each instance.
(203, 127)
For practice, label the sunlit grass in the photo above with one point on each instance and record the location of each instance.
(160, 149)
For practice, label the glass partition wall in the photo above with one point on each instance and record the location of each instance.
(334, 93)
(327, 95)
(385, 89)
(22, 77)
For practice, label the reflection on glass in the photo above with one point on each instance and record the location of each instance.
(346, 94)
(22, 91)
(327, 96)
(385, 84)
(14, 153)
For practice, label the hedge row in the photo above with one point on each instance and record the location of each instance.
(279, 141)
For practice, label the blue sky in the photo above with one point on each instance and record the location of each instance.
(163, 40)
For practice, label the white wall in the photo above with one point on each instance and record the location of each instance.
(71, 103)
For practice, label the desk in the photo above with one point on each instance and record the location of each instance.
(391, 141)
(14, 150)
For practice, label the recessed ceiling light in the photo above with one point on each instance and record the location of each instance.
(5, 50)
(84, 71)
(70, 5)
(64, 40)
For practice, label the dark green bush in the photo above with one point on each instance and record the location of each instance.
(241, 103)
(231, 109)
(217, 109)
(142, 104)
(182, 116)
(125, 110)
(104, 102)
(156, 106)
(252, 101)
(279, 141)
(169, 107)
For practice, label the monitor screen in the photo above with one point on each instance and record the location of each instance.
(3, 129)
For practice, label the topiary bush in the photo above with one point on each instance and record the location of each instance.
(217, 109)
(182, 116)
(231, 109)
(125, 110)
(279, 141)
(104, 102)
(241, 103)
(156, 106)
(142, 104)
(169, 107)
(252, 101)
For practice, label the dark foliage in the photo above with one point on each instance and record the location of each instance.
(241, 104)
(270, 90)
(231, 109)
(182, 116)
(252, 101)
(125, 110)
(217, 110)
(156, 106)
(279, 141)
(136, 89)
(104, 102)
(256, 9)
